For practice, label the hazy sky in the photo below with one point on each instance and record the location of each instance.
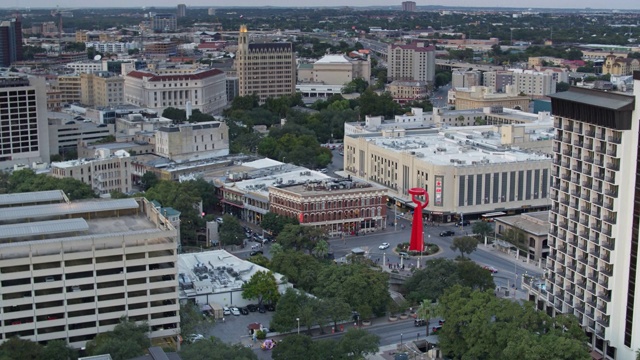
(596, 4)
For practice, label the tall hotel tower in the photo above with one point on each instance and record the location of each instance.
(595, 218)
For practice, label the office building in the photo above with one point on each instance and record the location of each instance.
(23, 120)
(465, 170)
(461, 78)
(105, 172)
(265, 69)
(478, 97)
(71, 270)
(592, 270)
(409, 6)
(181, 10)
(531, 228)
(193, 141)
(407, 91)
(65, 132)
(87, 66)
(335, 69)
(335, 205)
(67, 88)
(204, 90)
(412, 62)
(163, 22)
(102, 88)
(10, 42)
(527, 82)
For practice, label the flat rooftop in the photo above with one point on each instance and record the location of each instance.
(329, 186)
(456, 147)
(31, 198)
(261, 185)
(536, 223)
(214, 271)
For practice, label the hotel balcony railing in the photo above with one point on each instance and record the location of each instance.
(611, 192)
(608, 205)
(576, 155)
(604, 281)
(591, 133)
(591, 301)
(587, 184)
(566, 152)
(612, 152)
(613, 166)
(603, 321)
(599, 176)
(610, 220)
(595, 212)
(610, 178)
(606, 271)
(588, 145)
(597, 188)
(609, 245)
(615, 139)
(600, 150)
(577, 143)
(607, 231)
(604, 296)
(584, 222)
(596, 202)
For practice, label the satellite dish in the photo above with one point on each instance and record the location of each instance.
(97, 57)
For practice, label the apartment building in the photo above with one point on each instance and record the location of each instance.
(181, 10)
(71, 270)
(461, 78)
(620, 65)
(23, 120)
(265, 69)
(112, 47)
(68, 87)
(193, 141)
(412, 62)
(465, 170)
(336, 205)
(478, 97)
(409, 6)
(407, 91)
(163, 22)
(87, 66)
(204, 90)
(10, 42)
(528, 82)
(105, 173)
(102, 88)
(592, 270)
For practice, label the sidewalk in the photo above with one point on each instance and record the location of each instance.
(522, 262)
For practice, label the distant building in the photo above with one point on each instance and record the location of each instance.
(620, 65)
(535, 232)
(481, 96)
(163, 22)
(65, 132)
(335, 69)
(412, 62)
(181, 10)
(104, 173)
(205, 90)
(66, 89)
(409, 6)
(193, 141)
(265, 69)
(102, 89)
(407, 91)
(160, 49)
(23, 120)
(461, 78)
(10, 42)
(86, 66)
(211, 11)
(528, 82)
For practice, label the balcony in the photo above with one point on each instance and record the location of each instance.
(594, 239)
(596, 227)
(566, 139)
(597, 188)
(596, 201)
(566, 152)
(613, 166)
(612, 152)
(615, 139)
(576, 155)
(575, 205)
(588, 145)
(576, 168)
(573, 217)
(568, 127)
(591, 301)
(611, 219)
(607, 271)
(609, 245)
(558, 307)
(604, 281)
(579, 307)
(584, 234)
(604, 296)
(595, 252)
(598, 162)
(606, 231)
(586, 170)
(595, 212)
(608, 205)
(610, 178)
(605, 256)
(587, 184)
(577, 143)
(575, 192)
(599, 176)
(591, 133)
(599, 150)
(556, 161)
(584, 222)
(585, 196)
(564, 188)
(564, 201)
(611, 192)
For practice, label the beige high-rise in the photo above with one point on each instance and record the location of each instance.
(265, 69)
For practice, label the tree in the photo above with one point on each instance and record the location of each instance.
(275, 223)
(357, 343)
(482, 228)
(295, 346)
(27, 180)
(191, 321)
(300, 237)
(464, 244)
(321, 249)
(261, 286)
(431, 281)
(215, 349)
(58, 350)
(562, 86)
(427, 310)
(337, 310)
(473, 276)
(19, 349)
(515, 235)
(231, 232)
(300, 269)
(127, 340)
(297, 307)
(177, 115)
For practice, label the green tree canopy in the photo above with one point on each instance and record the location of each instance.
(231, 232)
(20, 349)
(261, 286)
(482, 228)
(127, 340)
(275, 223)
(299, 268)
(215, 349)
(149, 180)
(27, 180)
(300, 238)
(464, 244)
(294, 305)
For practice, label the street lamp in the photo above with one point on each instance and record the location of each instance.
(298, 320)
(400, 339)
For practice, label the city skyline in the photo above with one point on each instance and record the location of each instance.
(593, 4)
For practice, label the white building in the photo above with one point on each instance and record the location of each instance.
(196, 141)
(87, 66)
(592, 270)
(71, 270)
(204, 90)
(112, 47)
(528, 82)
(105, 173)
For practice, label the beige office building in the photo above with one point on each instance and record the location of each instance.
(335, 69)
(413, 62)
(69, 88)
(478, 97)
(465, 170)
(105, 173)
(102, 89)
(193, 141)
(265, 69)
(71, 270)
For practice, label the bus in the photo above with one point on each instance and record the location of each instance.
(490, 217)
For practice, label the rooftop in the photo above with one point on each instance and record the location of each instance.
(333, 59)
(31, 197)
(328, 186)
(286, 175)
(536, 223)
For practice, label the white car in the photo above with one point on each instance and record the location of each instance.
(235, 311)
(219, 220)
(195, 337)
(226, 311)
(383, 246)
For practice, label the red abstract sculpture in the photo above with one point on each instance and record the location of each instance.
(417, 229)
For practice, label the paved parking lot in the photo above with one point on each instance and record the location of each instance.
(234, 329)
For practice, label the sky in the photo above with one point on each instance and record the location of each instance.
(596, 4)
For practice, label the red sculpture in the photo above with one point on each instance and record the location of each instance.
(417, 229)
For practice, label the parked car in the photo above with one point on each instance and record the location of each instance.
(244, 311)
(447, 233)
(219, 220)
(226, 311)
(252, 307)
(270, 307)
(256, 252)
(383, 246)
(235, 311)
(419, 322)
(194, 337)
(435, 329)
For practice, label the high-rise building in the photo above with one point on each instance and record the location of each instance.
(23, 120)
(102, 88)
(413, 62)
(265, 69)
(592, 269)
(182, 10)
(71, 270)
(10, 42)
(163, 22)
(409, 6)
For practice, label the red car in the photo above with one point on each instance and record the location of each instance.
(490, 268)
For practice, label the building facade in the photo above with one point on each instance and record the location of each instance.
(181, 10)
(464, 172)
(407, 91)
(23, 120)
(64, 133)
(338, 206)
(193, 141)
(335, 69)
(205, 90)
(592, 270)
(71, 270)
(620, 65)
(163, 22)
(105, 173)
(69, 88)
(409, 6)
(265, 69)
(478, 97)
(528, 82)
(87, 66)
(102, 89)
(413, 62)
(530, 228)
(10, 42)
(461, 78)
